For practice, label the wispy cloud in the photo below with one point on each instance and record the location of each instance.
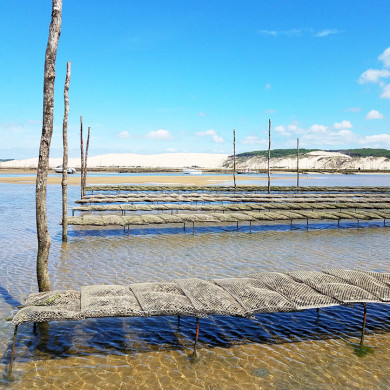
(211, 133)
(374, 114)
(34, 122)
(325, 33)
(269, 111)
(268, 86)
(294, 32)
(201, 114)
(298, 32)
(160, 134)
(253, 140)
(123, 134)
(354, 109)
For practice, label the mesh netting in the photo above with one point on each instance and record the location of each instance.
(261, 293)
(109, 301)
(334, 287)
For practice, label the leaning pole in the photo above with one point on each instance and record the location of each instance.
(43, 236)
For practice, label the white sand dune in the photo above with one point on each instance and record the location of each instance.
(312, 160)
(165, 160)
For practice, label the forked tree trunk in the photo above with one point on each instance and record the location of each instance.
(65, 157)
(44, 149)
(234, 159)
(82, 157)
(85, 162)
(269, 155)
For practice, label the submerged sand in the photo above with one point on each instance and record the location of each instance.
(106, 179)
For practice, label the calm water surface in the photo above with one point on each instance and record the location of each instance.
(281, 351)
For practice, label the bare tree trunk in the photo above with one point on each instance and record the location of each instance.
(297, 162)
(43, 236)
(65, 157)
(82, 157)
(85, 162)
(269, 155)
(234, 159)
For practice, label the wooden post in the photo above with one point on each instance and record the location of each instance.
(85, 162)
(82, 157)
(297, 162)
(234, 159)
(65, 157)
(269, 155)
(43, 236)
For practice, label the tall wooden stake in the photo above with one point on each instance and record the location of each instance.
(65, 157)
(269, 155)
(85, 162)
(43, 236)
(82, 157)
(234, 159)
(297, 162)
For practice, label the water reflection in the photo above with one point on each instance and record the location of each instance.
(286, 350)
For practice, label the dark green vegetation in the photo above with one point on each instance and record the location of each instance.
(279, 153)
(6, 159)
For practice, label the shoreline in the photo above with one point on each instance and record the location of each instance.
(104, 177)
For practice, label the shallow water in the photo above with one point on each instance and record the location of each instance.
(282, 351)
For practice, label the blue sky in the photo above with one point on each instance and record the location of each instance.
(178, 76)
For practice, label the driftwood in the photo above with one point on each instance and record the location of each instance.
(65, 156)
(43, 236)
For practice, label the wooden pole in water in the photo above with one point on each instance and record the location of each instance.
(269, 155)
(64, 182)
(297, 162)
(85, 161)
(234, 159)
(43, 236)
(82, 157)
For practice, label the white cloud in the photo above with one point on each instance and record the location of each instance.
(171, 150)
(385, 57)
(253, 140)
(268, 86)
(374, 114)
(159, 134)
(292, 127)
(123, 134)
(34, 122)
(211, 133)
(373, 76)
(386, 92)
(342, 125)
(201, 114)
(325, 33)
(281, 130)
(377, 140)
(318, 129)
